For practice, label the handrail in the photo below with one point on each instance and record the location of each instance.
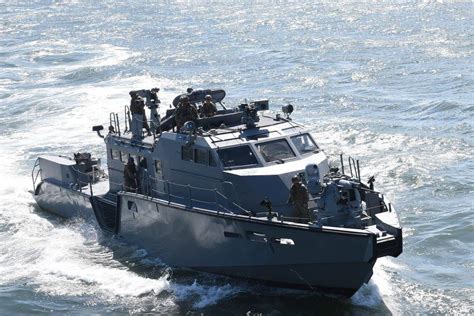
(163, 189)
(117, 121)
(112, 121)
(92, 177)
(354, 166)
(35, 177)
(282, 218)
(127, 121)
(188, 190)
(129, 118)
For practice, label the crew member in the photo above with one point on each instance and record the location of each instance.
(185, 112)
(299, 197)
(130, 176)
(137, 107)
(208, 107)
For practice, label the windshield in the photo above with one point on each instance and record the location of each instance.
(276, 150)
(304, 143)
(237, 156)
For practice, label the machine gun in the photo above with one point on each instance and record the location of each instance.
(250, 112)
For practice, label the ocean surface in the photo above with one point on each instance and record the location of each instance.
(388, 83)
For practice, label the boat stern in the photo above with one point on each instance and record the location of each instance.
(389, 234)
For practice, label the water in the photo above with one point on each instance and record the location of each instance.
(390, 84)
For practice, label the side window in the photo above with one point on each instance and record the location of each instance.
(201, 156)
(275, 150)
(237, 156)
(157, 166)
(212, 162)
(198, 155)
(304, 144)
(142, 162)
(115, 154)
(124, 156)
(187, 153)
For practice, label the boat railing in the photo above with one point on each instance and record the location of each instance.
(304, 220)
(128, 119)
(194, 197)
(35, 173)
(115, 122)
(92, 177)
(119, 185)
(354, 167)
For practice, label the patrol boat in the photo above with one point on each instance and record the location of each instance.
(212, 196)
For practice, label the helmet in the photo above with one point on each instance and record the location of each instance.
(189, 90)
(208, 97)
(130, 161)
(295, 178)
(184, 98)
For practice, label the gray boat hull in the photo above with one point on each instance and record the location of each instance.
(283, 254)
(276, 253)
(62, 201)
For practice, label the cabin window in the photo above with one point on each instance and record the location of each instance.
(237, 156)
(157, 166)
(115, 154)
(275, 150)
(143, 163)
(187, 153)
(201, 156)
(304, 144)
(197, 155)
(212, 162)
(124, 156)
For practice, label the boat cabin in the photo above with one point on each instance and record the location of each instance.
(240, 155)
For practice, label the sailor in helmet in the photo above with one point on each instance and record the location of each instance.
(208, 108)
(185, 112)
(139, 120)
(299, 198)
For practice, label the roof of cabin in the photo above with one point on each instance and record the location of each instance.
(229, 130)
